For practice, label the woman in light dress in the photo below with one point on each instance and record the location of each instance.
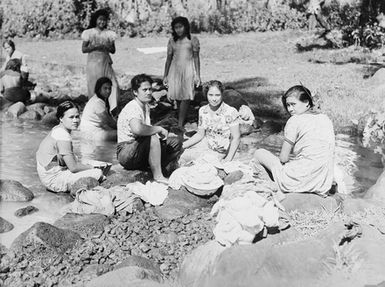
(218, 134)
(182, 68)
(98, 43)
(57, 166)
(306, 160)
(97, 123)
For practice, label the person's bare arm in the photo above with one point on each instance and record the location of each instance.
(138, 128)
(197, 66)
(234, 143)
(285, 152)
(70, 160)
(195, 138)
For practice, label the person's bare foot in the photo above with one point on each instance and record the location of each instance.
(161, 180)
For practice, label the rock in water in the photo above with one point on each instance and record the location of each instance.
(5, 226)
(30, 115)
(12, 190)
(16, 110)
(51, 237)
(50, 119)
(25, 211)
(84, 224)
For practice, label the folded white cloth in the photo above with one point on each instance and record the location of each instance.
(153, 192)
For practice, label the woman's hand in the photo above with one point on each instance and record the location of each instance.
(198, 81)
(163, 133)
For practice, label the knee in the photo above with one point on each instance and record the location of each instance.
(259, 153)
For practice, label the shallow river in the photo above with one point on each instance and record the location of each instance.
(20, 140)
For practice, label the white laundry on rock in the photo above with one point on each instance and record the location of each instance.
(246, 115)
(241, 217)
(151, 192)
(176, 178)
(101, 200)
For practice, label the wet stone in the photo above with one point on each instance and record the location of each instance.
(5, 226)
(26, 210)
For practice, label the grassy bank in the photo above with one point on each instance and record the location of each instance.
(260, 65)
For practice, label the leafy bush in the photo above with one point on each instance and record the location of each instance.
(356, 23)
(55, 18)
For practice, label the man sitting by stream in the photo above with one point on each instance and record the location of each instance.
(141, 145)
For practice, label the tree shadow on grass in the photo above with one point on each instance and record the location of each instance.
(263, 98)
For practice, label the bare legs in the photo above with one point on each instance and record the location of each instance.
(268, 161)
(183, 108)
(154, 158)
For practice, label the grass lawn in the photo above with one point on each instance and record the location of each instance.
(260, 65)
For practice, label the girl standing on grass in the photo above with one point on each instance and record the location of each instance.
(98, 43)
(309, 137)
(182, 68)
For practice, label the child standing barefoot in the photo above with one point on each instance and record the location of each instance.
(182, 68)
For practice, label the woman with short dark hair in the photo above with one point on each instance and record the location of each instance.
(57, 165)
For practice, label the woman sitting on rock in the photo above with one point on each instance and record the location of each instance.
(57, 165)
(97, 121)
(309, 137)
(218, 129)
(12, 88)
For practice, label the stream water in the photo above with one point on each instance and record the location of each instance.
(20, 140)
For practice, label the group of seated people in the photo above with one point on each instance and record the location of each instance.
(305, 163)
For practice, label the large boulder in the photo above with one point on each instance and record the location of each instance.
(286, 262)
(5, 226)
(124, 277)
(84, 224)
(144, 263)
(201, 263)
(16, 110)
(53, 238)
(198, 263)
(12, 190)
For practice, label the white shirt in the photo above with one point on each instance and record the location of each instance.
(133, 110)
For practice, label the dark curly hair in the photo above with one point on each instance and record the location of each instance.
(184, 21)
(137, 80)
(101, 12)
(213, 83)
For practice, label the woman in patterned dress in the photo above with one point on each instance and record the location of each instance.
(218, 129)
